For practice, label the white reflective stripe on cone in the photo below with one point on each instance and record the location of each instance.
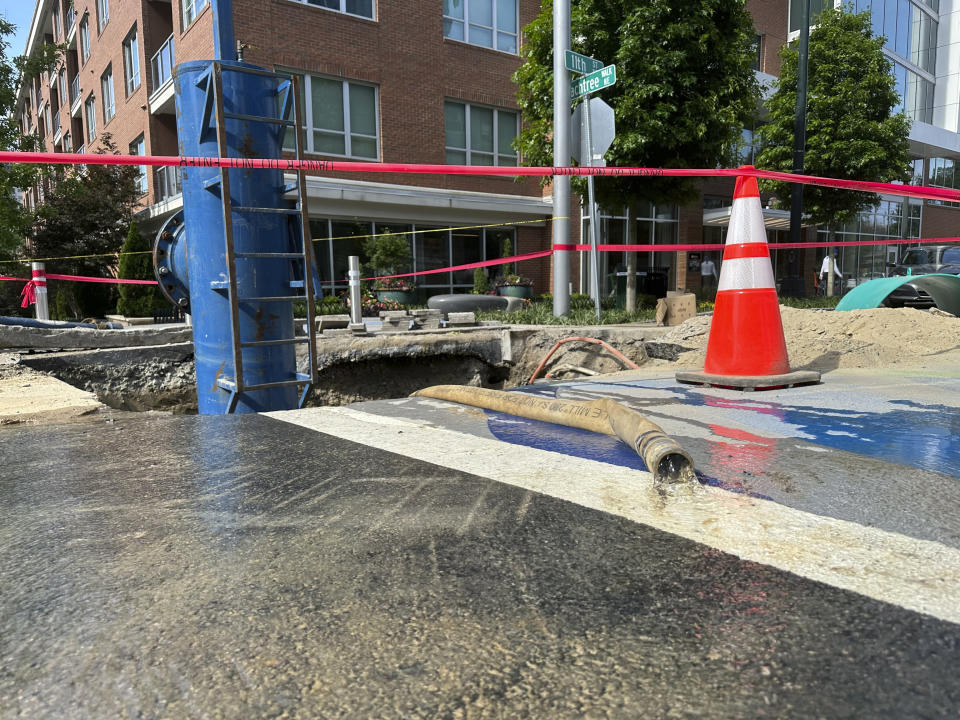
(746, 274)
(746, 221)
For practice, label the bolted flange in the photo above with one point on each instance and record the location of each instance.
(170, 262)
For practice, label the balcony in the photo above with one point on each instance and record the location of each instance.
(166, 182)
(75, 97)
(161, 76)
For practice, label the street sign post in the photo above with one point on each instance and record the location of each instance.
(575, 62)
(596, 77)
(597, 80)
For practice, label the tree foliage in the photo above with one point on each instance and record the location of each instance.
(86, 214)
(685, 87)
(136, 263)
(852, 132)
(14, 219)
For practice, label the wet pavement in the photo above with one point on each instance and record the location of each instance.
(343, 562)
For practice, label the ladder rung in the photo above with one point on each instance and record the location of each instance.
(273, 298)
(258, 118)
(231, 386)
(296, 283)
(269, 211)
(279, 383)
(219, 284)
(209, 183)
(282, 341)
(267, 255)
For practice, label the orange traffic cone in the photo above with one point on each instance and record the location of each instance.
(746, 349)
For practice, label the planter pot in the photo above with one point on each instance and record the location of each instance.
(518, 291)
(403, 297)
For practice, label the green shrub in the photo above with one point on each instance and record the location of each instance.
(137, 264)
(481, 285)
(60, 308)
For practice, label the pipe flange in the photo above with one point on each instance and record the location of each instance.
(169, 261)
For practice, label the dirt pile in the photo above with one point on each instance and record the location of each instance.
(826, 339)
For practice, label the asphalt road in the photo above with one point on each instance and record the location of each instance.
(238, 567)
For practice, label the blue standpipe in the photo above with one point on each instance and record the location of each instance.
(203, 237)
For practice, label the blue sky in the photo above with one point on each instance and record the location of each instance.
(18, 12)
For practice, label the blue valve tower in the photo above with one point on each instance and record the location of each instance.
(237, 256)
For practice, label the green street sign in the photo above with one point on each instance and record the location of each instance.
(575, 62)
(604, 77)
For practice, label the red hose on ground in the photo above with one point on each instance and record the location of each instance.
(616, 353)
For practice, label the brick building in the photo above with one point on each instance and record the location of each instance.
(429, 82)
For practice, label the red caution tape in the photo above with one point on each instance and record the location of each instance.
(29, 294)
(469, 266)
(325, 166)
(718, 247)
(79, 278)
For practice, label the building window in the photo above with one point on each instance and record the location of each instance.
(816, 7)
(67, 143)
(84, 40)
(62, 86)
(131, 62)
(758, 52)
(431, 247)
(478, 135)
(192, 8)
(57, 29)
(106, 92)
(943, 173)
(490, 23)
(893, 218)
(360, 8)
(90, 113)
(341, 117)
(103, 13)
(651, 225)
(139, 147)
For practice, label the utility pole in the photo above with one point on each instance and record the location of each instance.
(561, 157)
(800, 127)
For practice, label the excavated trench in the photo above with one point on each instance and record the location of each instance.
(161, 377)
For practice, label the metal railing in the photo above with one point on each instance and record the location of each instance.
(166, 182)
(75, 90)
(161, 65)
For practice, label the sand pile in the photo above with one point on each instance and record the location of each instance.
(825, 340)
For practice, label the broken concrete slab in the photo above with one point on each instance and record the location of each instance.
(329, 322)
(12, 336)
(456, 319)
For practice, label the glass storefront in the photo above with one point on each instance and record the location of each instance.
(654, 225)
(432, 247)
(894, 218)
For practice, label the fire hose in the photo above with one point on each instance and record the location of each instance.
(663, 456)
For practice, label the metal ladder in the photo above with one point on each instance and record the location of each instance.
(299, 251)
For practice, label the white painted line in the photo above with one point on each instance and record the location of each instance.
(915, 574)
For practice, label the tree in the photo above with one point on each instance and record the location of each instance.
(136, 263)
(15, 220)
(685, 87)
(852, 131)
(84, 219)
